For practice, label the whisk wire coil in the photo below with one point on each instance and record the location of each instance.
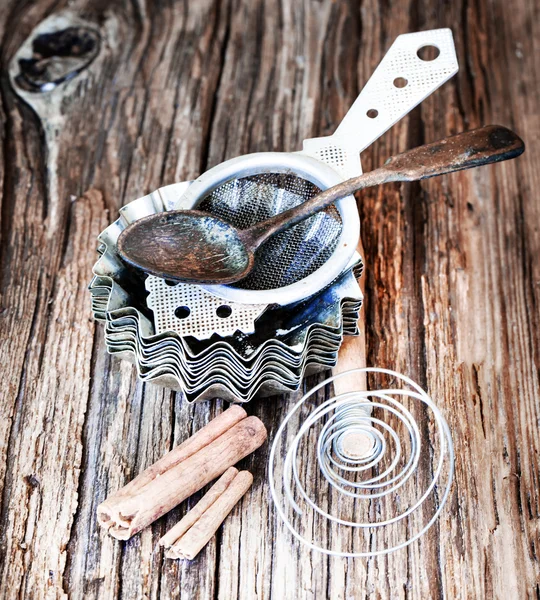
(349, 414)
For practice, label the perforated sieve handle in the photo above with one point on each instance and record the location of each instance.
(401, 81)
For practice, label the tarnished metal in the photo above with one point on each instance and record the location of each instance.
(288, 342)
(193, 247)
(181, 245)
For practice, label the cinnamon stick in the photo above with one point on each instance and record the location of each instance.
(186, 540)
(198, 510)
(198, 440)
(174, 478)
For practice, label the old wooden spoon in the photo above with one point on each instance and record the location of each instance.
(195, 247)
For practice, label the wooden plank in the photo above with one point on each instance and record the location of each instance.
(451, 279)
(44, 456)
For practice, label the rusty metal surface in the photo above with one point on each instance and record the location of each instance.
(184, 245)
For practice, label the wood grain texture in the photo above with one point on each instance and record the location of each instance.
(452, 279)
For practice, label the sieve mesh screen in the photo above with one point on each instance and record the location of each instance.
(291, 255)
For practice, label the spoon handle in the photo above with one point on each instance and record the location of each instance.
(475, 148)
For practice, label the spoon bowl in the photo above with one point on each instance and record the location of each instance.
(187, 245)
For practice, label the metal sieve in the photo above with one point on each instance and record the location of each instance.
(302, 260)
(287, 257)
(299, 262)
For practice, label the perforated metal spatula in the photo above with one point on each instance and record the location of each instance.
(195, 247)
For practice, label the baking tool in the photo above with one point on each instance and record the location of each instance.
(297, 263)
(375, 479)
(237, 368)
(194, 247)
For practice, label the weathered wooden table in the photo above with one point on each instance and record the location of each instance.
(453, 285)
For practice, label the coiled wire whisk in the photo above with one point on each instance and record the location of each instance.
(362, 457)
